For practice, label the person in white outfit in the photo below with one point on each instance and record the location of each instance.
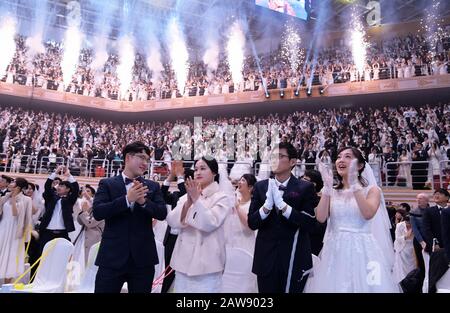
(15, 229)
(199, 254)
(357, 255)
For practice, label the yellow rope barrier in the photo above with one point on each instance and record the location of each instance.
(42, 257)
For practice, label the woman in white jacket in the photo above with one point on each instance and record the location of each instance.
(199, 254)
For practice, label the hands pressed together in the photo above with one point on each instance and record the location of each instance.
(273, 197)
(137, 193)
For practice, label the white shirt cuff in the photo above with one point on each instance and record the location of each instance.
(129, 204)
(52, 176)
(288, 211)
(180, 181)
(166, 183)
(71, 179)
(263, 214)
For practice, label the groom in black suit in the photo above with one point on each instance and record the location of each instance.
(282, 210)
(128, 203)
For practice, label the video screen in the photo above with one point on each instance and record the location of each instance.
(297, 8)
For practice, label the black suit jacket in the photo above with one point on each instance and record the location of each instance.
(445, 224)
(127, 232)
(432, 227)
(172, 198)
(67, 204)
(275, 238)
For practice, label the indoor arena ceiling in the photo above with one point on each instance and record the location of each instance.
(194, 14)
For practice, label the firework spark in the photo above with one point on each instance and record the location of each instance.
(359, 43)
(179, 54)
(235, 51)
(292, 54)
(431, 27)
(7, 33)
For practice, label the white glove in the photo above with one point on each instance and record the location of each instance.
(277, 198)
(269, 199)
(353, 180)
(327, 177)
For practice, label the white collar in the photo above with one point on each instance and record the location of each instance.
(285, 183)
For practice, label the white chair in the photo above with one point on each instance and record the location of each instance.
(88, 283)
(160, 267)
(237, 276)
(51, 273)
(443, 284)
(426, 259)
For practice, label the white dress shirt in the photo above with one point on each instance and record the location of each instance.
(57, 221)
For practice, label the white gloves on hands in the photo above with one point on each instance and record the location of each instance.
(327, 177)
(277, 198)
(269, 198)
(353, 180)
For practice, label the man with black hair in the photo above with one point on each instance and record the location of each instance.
(128, 203)
(282, 210)
(4, 183)
(57, 221)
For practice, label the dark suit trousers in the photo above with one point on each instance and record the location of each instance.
(139, 279)
(168, 250)
(438, 267)
(273, 282)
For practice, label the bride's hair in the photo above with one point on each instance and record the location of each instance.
(358, 155)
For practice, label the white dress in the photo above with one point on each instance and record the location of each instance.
(241, 237)
(405, 260)
(12, 249)
(351, 259)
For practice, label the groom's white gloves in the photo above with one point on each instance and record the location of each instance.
(277, 198)
(327, 177)
(269, 198)
(353, 174)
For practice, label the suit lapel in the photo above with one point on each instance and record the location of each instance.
(119, 181)
(289, 188)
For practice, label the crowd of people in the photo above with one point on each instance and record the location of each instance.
(398, 57)
(223, 238)
(389, 137)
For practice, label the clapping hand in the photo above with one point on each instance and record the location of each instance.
(353, 175)
(137, 193)
(327, 178)
(193, 189)
(277, 198)
(268, 204)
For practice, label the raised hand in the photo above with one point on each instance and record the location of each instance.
(193, 189)
(353, 175)
(327, 177)
(277, 198)
(268, 204)
(137, 192)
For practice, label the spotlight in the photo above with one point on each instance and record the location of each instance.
(296, 93)
(267, 95)
(309, 92)
(321, 90)
(281, 93)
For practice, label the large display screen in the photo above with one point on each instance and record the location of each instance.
(297, 8)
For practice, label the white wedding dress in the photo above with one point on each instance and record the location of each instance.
(351, 259)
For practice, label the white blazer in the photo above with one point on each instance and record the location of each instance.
(200, 247)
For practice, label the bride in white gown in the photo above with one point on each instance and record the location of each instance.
(357, 254)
